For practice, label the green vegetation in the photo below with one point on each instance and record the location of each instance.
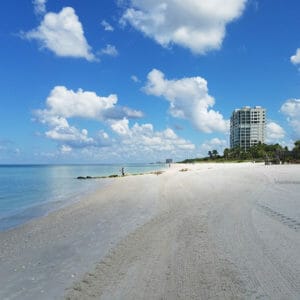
(261, 152)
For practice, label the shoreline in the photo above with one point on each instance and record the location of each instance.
(19, 216)
(53, 255)
(74, 225)
(43, 209)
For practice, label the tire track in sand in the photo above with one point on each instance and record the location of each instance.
(170, 257)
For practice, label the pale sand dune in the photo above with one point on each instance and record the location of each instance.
(216, 231)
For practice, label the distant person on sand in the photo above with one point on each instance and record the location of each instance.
(122, 172)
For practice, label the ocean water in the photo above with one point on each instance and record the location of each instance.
(30, 191)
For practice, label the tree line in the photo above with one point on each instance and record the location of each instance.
(274, 153)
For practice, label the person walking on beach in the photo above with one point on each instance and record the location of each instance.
(122, 171)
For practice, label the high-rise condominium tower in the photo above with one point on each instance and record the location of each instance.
(247, 127)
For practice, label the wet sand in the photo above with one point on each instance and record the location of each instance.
(216, 231)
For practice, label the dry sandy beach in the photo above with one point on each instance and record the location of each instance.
(216, 231)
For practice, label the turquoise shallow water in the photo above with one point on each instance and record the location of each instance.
(30, 191)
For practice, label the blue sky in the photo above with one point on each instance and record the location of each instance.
(142, 80)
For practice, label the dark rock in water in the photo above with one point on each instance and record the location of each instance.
(112, 176)
(89, 177)
(81, 177)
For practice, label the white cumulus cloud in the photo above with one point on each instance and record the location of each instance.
(189, 99)
(107, 26)
(121, 127)
(64, 103)
(65, 149)
(141, 142)
(143, 139)
(274, 132)
(135, 79)
(71, 135)
(62, 33)
(295, 59)
(123, 140)
(110, 50)
(130, 143)
(39, 6)
(197, 25)
(291, 109)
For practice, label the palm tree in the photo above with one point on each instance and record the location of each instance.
(215, 153)
(210, 154)
(296, 150)
(237, 152)
(297, 145)
(226, 153)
